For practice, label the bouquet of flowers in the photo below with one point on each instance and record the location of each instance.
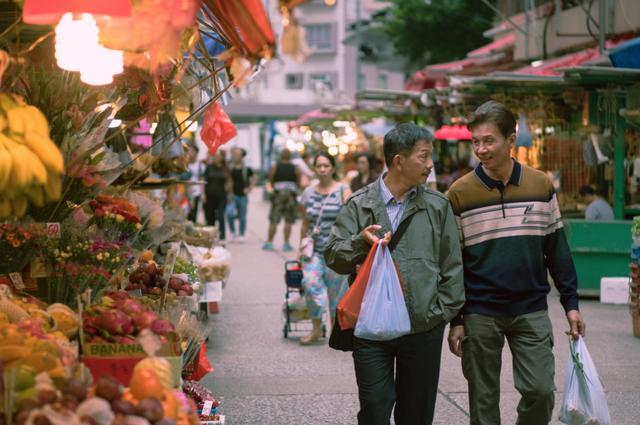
(81, 263)
(18, 243)
(116, 216)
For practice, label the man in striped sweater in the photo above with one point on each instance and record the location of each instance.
(511, 234)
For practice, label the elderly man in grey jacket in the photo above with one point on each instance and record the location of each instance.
(430, 266)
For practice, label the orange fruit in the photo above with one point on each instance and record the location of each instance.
(145, 383)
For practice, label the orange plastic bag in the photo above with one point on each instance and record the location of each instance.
(217, 128)
(349, 306)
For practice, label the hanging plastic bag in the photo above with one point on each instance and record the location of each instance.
(349, 305)
(383, 314)
(584, 401)
(217, 128)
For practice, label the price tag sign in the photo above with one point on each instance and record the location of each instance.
(170, 262)
(16, 279)
(206, 409)
(53, 230)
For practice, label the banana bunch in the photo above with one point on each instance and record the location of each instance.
(31, 165)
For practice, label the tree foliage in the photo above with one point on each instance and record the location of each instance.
(435, 31)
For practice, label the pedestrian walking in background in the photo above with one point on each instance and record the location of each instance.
(218, 185)
(196, 170)
(242, 178)
(365, 175)
(284, 181)
(403, 371)
(597, 208)
(512, 235)
(320, 205)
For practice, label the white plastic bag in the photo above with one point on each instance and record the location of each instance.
(383, 313)
(584, 401)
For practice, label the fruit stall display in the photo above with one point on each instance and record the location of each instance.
(97, 322)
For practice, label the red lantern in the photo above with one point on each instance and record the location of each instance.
(41, 12)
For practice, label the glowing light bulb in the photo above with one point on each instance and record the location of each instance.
(100, 65)
(333, 150)
(74, 38)
(343, 149)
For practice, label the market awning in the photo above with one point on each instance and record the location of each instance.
(583, 57)
(245, 24)
(453, 132)
(627, 54)
(490, 57)
(499, 45)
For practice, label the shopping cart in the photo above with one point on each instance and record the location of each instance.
(294, 309)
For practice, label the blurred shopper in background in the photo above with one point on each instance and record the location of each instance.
(365, 175)
(242, 180)
(283, 184)
(597, 208)
(320, 205)
(216, 190)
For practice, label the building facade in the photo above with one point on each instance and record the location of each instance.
(334, 70)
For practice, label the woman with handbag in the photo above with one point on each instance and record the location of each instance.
(320, 205)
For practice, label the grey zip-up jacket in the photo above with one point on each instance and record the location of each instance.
(428, 254)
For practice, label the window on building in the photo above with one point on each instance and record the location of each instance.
(383, 81)
(294, 81)
(325, 80)
(320, 37)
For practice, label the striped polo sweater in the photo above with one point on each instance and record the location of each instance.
(510, 236)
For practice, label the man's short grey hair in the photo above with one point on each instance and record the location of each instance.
(402, 139)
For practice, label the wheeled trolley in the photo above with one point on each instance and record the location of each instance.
(294, 309)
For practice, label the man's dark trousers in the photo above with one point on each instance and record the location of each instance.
(417, 369)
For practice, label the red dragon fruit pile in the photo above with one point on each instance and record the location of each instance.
(119, 318)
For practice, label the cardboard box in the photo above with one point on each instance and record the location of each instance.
(614, 290)
(121, 368)
(118, 360)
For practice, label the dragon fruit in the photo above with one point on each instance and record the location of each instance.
(129, 306)
(117, 295)
(162, 326)
(90, 324)
(144, 319)
(115, 322)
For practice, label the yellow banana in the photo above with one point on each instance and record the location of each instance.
(5, 208)
(40, 123)
(5, 166)
(16, 121)
(46, 150)
(36, 167)
(19, 206)
(35, 195)
(21, 171)
(18, 175)
(53, 188)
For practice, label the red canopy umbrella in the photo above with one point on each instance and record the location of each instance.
(453, 132)
(244, 24)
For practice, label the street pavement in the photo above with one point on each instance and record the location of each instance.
(264, 378)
